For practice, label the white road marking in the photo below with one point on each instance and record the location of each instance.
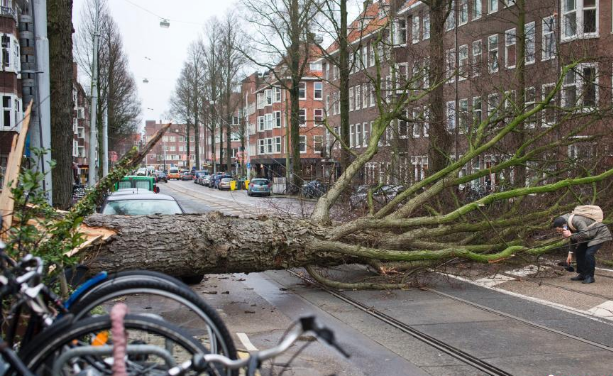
(528, 270)
(604, 310)
(586, 314)
(493, 280)
(246, 342)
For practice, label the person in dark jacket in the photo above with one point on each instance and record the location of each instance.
(585, 241)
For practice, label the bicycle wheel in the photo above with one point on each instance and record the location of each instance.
(175, 303)
(170, 342)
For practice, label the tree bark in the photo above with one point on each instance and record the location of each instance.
(207, 243)
(59, 30)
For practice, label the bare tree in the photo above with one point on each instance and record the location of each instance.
(117, 91)
(233, 60)
(283, 44)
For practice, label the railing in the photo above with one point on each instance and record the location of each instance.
(6, 11)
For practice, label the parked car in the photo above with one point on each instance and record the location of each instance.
(187, 176)
(162, 176)
(125, 203)
(259, 187)
(224, 183)
(206, 179)
(217, 178)
(381, 196)
(313, 189)
(199, 175)
(142, 172)
(173, 173)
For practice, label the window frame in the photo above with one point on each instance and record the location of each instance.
(548, 31)
(490, 60)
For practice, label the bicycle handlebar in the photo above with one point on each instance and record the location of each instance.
(200, 362)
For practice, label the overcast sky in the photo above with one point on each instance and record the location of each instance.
(166, 48)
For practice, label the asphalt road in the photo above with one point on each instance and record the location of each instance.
(513, 322)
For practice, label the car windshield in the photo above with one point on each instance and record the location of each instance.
(141, 207)
(260, 182)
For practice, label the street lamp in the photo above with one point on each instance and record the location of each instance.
(164, 23)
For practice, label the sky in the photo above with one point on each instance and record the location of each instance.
(157, 54)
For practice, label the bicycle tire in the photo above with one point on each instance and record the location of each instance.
(130, 275)
(39, 356)
(219, 338)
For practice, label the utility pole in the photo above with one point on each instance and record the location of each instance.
(94, 105)
(105, 143)
(41, 137)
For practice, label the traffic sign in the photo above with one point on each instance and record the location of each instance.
(248, 165)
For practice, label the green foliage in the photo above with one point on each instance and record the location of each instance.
(37, 228)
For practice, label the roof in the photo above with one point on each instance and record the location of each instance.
(140, 196)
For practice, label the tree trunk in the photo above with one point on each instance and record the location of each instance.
(344, 84)
(59, 29)
(206, 243)
(440, 139)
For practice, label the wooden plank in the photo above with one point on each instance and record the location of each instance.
(13, 167)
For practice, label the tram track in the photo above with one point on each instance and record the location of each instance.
(448, 349)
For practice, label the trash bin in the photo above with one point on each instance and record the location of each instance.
(233, 185)
(240, 184)
(247, 184)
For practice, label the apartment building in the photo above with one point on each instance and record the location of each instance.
(481, 71)
(80, 128)
(220, 137)
(171, 151)
(266, 113)
(11, 105)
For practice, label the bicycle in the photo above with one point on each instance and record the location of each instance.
(22, 280)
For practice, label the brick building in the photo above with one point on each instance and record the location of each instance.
(266, 113)
(171, 151)
(11, 105)
(481, 51)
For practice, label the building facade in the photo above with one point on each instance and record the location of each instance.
(266, 113)
(171, 151)
(483, 79)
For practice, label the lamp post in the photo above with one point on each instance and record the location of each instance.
(93, 140)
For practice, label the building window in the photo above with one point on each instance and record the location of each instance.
(510, 52)
(492, 47)
(372, 94)
(463, 115)
(268, 95)
(317, 90)
(492, 104)
(318, 143)
(530, 30)
(302, 145)
(318, 116)
(463, 62)
(451, 114)
(269, 121)
(579, 18)
(549, 38)
(261, 146)
(6, 51)
(589, 82)
(277, 94)
(415, 29)
(302, 90)
(350, 135)
(260, 123)
(269, 149)
(549, 113)
(358, 135)
(315, 67)
(364, 56)
(450, 22)
(477, 111)
(365, 134)
(530, 103)
(278, 119)
(477, 53)
(450, 60)
(492, 6)
(302, 117)
(477, 9)
(371, 54)
(351, 99)
(365, 95)
(426, 26)
(463, 12)
(401, 31)
(260, 100)
(358, 98)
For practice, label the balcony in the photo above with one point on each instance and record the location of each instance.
(8, 12)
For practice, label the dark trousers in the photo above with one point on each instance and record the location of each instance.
(586, 258)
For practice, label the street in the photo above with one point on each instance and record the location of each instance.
(514, 322)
